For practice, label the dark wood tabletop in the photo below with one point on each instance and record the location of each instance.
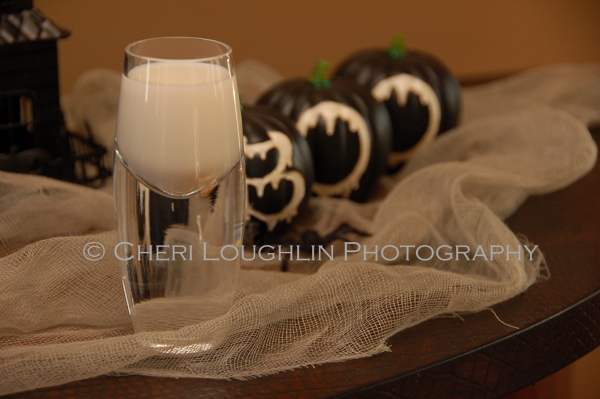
(473, 357)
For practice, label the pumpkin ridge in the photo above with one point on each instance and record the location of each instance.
(449, 89)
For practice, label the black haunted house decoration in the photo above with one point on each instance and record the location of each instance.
(32, 136)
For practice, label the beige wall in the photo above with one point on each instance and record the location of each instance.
(473, 37)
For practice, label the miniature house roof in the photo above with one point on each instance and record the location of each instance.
(26, 26)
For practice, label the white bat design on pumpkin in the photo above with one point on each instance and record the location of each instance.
(282, 143)
(331, 111)
(403, 84)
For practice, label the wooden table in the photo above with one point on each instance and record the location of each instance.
(477, 357)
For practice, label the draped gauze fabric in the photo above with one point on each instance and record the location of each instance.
(64, 318)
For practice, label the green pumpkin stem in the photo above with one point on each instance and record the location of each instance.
(398, 47)
(320, 75)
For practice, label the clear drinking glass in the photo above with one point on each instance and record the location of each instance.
(179, 181)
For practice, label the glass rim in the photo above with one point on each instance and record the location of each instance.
(226, 49)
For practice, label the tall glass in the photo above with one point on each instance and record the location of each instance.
(179, 181)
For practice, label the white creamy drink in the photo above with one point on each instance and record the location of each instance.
(179, 191)
(176, 128)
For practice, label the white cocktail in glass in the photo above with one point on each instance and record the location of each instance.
(179, 181)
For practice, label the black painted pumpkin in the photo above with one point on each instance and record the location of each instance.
(279, 169)
(349, 133)
(422, 96)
